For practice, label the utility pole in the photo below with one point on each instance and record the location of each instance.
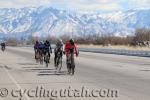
(72, 33)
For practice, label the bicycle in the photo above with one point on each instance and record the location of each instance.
(59, 59)
(41, 56)
(37, 55)
(46, 58)
(3, 48)
(70, 62)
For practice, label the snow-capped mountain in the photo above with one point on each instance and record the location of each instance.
(47, 21)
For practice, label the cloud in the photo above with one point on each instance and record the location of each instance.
(104, 5)
(97, 7)
(22, 3)
(93, 5)
(139, 3)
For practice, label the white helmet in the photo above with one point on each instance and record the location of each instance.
(60, 40)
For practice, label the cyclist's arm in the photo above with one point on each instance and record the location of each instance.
(76, 49)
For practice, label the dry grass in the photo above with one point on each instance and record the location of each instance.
(117, 47)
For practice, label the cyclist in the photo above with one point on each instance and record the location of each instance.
(3, 45)
(71, 47)
(47, 49)
(41, 48)
(36, 48)
(58, 48)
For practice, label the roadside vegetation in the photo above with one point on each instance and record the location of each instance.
(141, 38)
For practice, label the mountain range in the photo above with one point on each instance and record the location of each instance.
(48, 21)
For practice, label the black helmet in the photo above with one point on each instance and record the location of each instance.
(46, 41)
(71, 41)
(37, 42)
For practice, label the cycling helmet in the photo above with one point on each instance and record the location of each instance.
(46, 41)
(71, 41)
(60, 40)
(37, 42)
(41, 42)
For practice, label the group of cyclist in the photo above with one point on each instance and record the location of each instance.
(69, 49)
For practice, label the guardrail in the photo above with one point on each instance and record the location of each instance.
(117, 52)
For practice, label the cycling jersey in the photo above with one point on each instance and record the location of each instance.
(69, 47)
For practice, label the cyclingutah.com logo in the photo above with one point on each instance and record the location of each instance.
(41, 92)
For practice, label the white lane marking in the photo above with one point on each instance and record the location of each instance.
(14, 81)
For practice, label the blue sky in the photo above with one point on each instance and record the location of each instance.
(81, 5)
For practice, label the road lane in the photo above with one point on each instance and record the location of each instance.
(127, 74)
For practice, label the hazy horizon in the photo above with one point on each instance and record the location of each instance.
(79, 5)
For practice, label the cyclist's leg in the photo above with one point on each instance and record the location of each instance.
(73, 65)
(61, 57)
(35, 53)
(68, 63)
(44, 54)
(40, 56)
(55, 58)
(49, 55)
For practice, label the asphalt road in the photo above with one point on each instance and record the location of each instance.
(127, 77)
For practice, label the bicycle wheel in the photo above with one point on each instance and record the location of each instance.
(69, 68)
(46, 59)
(72, 69)
(37, 56)
(60, 63)
(57, 62)
(72, 64)
(41, 56)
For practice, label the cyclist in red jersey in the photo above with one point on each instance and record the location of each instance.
(71, 47)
